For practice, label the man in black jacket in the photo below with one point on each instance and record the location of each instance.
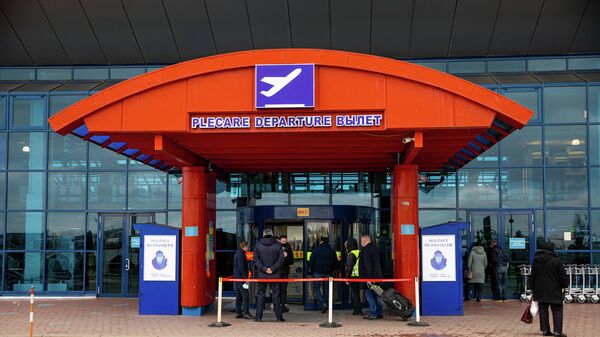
(288, 260)
(268, 259)
(240, 270)
(548, 278)
(499, 266)
(369, 266)
(323, 262)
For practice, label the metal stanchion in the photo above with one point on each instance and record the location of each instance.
(417, 321)
(330, 323)
(31, 293)
(219, 323)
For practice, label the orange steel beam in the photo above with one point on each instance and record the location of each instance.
(414, 148)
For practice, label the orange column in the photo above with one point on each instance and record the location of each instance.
(405, 213)
(197, 218)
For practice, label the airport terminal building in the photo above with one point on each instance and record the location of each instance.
(69, 199)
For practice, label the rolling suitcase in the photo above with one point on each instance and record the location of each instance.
(394, 300)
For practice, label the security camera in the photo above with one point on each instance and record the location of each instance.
(408, 140)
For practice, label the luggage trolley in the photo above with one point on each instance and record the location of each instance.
(525, 271)
(574, 292)
(592, 292)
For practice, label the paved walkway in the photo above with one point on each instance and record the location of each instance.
(118, 317)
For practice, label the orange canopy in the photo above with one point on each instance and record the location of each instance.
(448, 121)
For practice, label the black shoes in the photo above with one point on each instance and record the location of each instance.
(547, 333)
(370, 318)
(324, 309)
(379, 316)
(239, 316)
(357, 313)
(248, 316)
(560, 335)
(281, 320)
(285, 308)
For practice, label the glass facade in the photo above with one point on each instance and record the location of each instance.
(54, 189)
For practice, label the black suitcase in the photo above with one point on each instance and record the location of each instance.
(394, 300)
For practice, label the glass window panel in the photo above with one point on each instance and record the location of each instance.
(568, 224)
(566, 145)
(2, 190)
(27, 150)
(225, 267)
(539, 227)
(547, 64)
(28, 113)
(227, 193)
(125, 73)
(429, 218)
(174, 219)
(59, 102)
(351, 189)
(160, 218)
(1, 234)
(574, 258)
(66, 190)
(3, 146)
(92, 231)
(64, 271)
(566, 187)
(595, 186)
(65, 231)
(269, 188)
(54, 73)
(441, 66)
(487, 159)
(310, 188)
(90, 272)
(507, 66)
(584, 63)
(226, 221)
(26, 190)
(139, 166)
(25, 231)
(522, 147)
(2, 112)
(105, 159)
(442, 195)
(465, 67)
(594, 156)
(594, 104)
(174, 201)
(595, 230)
(17, 74)
(564, 104)
(22, 271)
(90, 73)
(147, 190)
(107, 190)
(596, 258)
(66, 152)
(478, 188)
(528, 99)
(522, 187)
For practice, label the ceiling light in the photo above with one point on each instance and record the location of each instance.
(575, 142)
(26, 148)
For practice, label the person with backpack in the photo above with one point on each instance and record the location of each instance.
(499, 264)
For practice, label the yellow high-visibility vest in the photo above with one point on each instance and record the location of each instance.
(355, 268)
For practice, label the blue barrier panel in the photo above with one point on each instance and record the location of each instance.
(159, 269)
(441, 269)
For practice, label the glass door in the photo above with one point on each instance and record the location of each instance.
(119, 253)
(514, 232)
(295, 235)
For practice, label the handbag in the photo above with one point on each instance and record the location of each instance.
(468, 274)
(534, 309)
(527, 317)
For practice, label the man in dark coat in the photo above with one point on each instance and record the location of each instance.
(288, 260)
(499, 264)
(369, 266)
(548, 278)
(323, 262)
(268, 259)
(240, 270)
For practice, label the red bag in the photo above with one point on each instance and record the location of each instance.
(527, 317)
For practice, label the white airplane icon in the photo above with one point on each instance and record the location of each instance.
(279, 83)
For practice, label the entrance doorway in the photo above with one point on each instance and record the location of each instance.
(119, 253)
(515, 234)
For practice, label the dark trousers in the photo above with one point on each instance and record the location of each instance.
(475, 289)
(242, 304)
(355, 297)
(557, 317)
(261, 289)
(283, 290)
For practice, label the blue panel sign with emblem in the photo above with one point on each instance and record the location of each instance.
(407, 229)
(516, 243)
(285, 86)
(191, 231)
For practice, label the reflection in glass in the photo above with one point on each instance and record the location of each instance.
(564, 104)
(66, 152)
(442, 195)
(3, 146)
(351, 189)
(175, 192)
(105, 159)
(522, 147)
(485, 227)
(487, 159)
(595, 186)
(429, 218)
(64, 231)
(90, 272)
(594, 156)
(64, 271)
(226, 194)
(568, 229)
(566, 145)
(2, 190)
(26, 190)
(522, 187)
(112, 261)
(25, 231)
(594, 104)
(93, 220)
(574, 258)
(27, 150)
(28, 113)
(106, 190)
(595, 230)
(174, 219)
(22, 270)
(528, 99)
(1, 233)
(2, 111)
(59, 102)
(478, 188)
(269, 188)
(147, 190)
(566, 187)
(226, 222)
(66, 190)
(310, 188)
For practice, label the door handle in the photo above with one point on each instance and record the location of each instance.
(127, 264)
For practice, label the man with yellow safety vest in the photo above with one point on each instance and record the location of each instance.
(351, 270)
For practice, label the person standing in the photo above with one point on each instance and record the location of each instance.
(288, 260)
(323, 262)
(499, 262)
(477, 263)
(240, 270)
(369, 266)
(268, 259)
(351, 271)
(547, 280)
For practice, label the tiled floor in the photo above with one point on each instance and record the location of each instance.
(119, 317)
